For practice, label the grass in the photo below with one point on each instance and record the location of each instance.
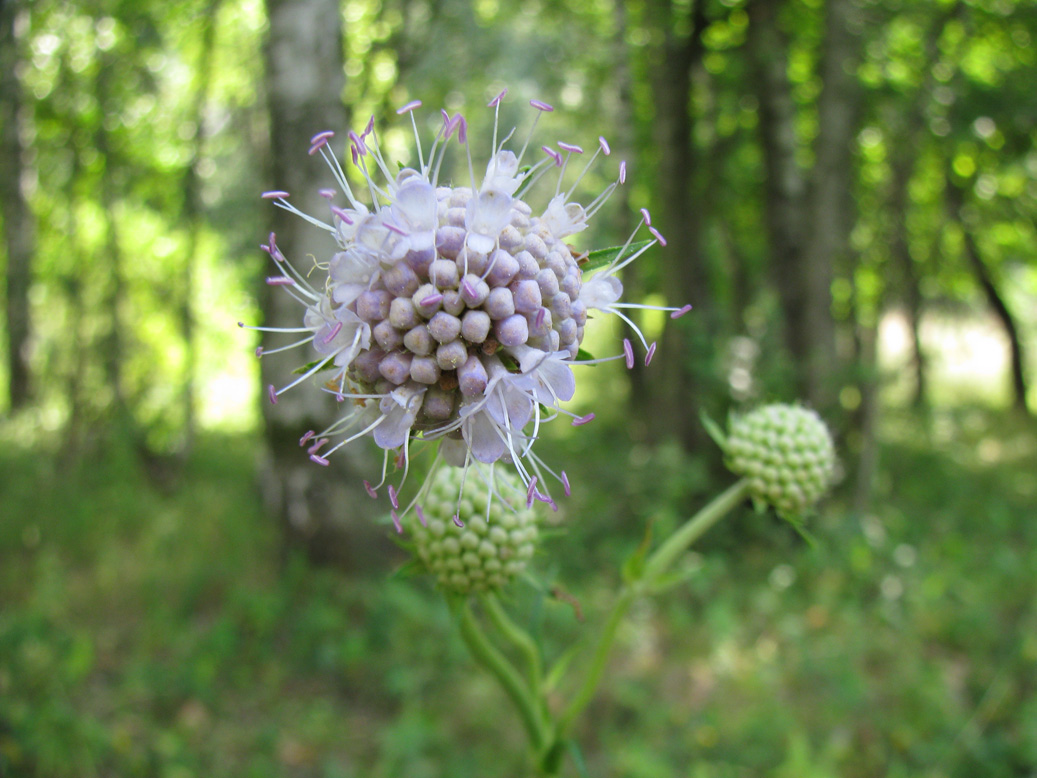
(157, 633)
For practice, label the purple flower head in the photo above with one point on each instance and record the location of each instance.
(452, 316)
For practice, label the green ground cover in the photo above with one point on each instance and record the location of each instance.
(161, 633)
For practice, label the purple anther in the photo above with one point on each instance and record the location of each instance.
(623, 172)
(396, 522)
(272, 240)
(604, 144)
(274, 194)
(392, 496)
(650, 354)
(354, 154)
(552, 154)
(327, 194)
(421, 515)
(343, 215)
(496, 101)
(565, 484)
(241, 324)
(467, 289)
(462, 130)
(629, 351)
(457, 521)
(538, 323)
(317, 446)
(407, 108)
(432, 299)
(272, 394)
(370, 490)
(646, 216)
(369, 128)
(361, 147)
(581, 420)
(680, 311)
(259, 351)
(394, 228)
(531, 492)
(541, 106)
(326, 135)
(332, 333)
(317, 146)
(571, 148)
(305, 438)
(280, 281)
(450, 124)
(340, 398)
(265, 248)
(658, 236)
(319, 460)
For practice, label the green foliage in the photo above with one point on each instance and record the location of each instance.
(146, 632)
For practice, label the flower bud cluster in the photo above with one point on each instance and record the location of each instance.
(482, 546)
(787, 454)
(442, 318)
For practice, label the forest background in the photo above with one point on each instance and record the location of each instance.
(848, 189)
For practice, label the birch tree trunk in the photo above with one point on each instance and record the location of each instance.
(318, 507)
(18, 226)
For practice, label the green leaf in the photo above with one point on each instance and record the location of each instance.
(634, 566)
(558, 669)
(713, 430)
(602, 257)
(666, 582)
(577, 755)
(582, 355)
(329, 365)
(527, 181)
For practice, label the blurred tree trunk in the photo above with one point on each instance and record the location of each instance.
(19, 227)
(809, 216)
(902, 166)
(785, 186)
(624, 143)
(316, 506)
(831, 208)
(192, 209)
(113, 343)
(985, 277)
(687, 353)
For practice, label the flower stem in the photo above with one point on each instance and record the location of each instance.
(655, 567)
(678, 542)
(484, 652)
(518, 636)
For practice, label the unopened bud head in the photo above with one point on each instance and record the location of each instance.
(786, 453)
(498, 535)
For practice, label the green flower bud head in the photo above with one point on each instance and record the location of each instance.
(481, 543)
(787, 454)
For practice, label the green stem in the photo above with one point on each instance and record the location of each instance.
(678, 542)
(493, 660)
(657, 564)
(518, 636)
